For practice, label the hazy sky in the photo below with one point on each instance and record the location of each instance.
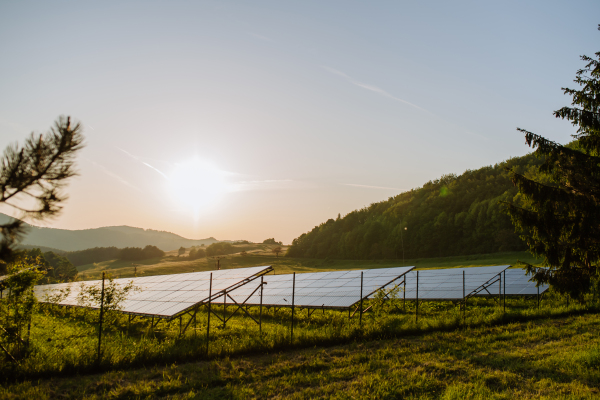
(257, 119)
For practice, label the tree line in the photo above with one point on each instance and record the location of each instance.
(453, 215)
(99, 254)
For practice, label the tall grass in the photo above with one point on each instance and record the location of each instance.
(64, 340)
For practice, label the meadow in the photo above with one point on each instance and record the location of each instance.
(554, 353)
(259, 254)
(330, 354)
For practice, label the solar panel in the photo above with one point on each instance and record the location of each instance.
(518, 284)
(336, 289)
(447, 283)
(162, 296)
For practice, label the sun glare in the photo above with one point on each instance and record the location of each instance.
(197, 184)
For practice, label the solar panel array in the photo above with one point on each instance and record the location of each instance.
(518, 284)
(447, 283)
(166, 296)
(336, 289)
(162, 296)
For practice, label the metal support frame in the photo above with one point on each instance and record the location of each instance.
(504, 297)
(482, 287)
(209, 310)
(192, 318)
(417, 300)
(152, 324)
(500, 288)
(464, 302)
(309, 312)
(262, 283)
(386, 295)
(239, 306)
(492, 296)
(404, 294)
(293, 300)
(361, 298)
(100, 320)
(224, 308)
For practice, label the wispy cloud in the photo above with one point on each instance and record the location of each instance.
(138, 159)
(382, 92)
(266, 184)
(370, 187)
(115, 176)
(372, 88)
(261, 37)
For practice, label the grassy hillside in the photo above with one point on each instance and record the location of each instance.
(259, 254)
(536, 359)
(454, 215)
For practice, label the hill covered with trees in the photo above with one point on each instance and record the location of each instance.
(108, 236)
(453, 215)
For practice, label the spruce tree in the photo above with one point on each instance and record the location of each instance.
(560, 219)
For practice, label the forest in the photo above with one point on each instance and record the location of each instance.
(450, 216)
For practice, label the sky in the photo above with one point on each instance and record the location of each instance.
(252, 120)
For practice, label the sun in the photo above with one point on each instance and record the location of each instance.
(197, 184)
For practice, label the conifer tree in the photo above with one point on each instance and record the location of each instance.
(32, 178)
(560, 219)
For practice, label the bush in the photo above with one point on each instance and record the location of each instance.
(220, 249)
(272, 241)
(197, 252)
(136, 253)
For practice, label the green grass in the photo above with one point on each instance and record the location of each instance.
(554, 357)
(489, 354)
(64, 340)
(261, 255)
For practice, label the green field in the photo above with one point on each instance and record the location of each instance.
(525, 352)
(261, 255)
(543, 358)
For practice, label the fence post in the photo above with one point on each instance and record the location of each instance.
(208, 322)
(361, 298)
(101, 317)
(293, 294)
(538, 297)
(500, 288)
(224, 307)
(504, 290)
(261, 301)
(404, 294)
(417, 301)
(464, 299)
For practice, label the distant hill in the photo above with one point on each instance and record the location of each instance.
(43, 249)
(451, 216)
(117, 236)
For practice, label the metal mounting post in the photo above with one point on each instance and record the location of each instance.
(208, 322)
(499, 288)
(417, 301)
(224, 307)
(361, 299)
(261, 302)
(504, 296)
(293, 295)
(404, 293)
(101, 317)
(464, 298)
